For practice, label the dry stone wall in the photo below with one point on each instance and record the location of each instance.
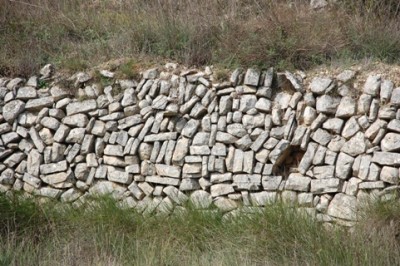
(174, 136)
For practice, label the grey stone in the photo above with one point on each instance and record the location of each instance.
(373, 130)
(221, 189)
(298, 182)
(264, 105)
(190, 128)
(356, 145)
(324, 172)
(271, 183)
(364, 103)
(175, 195)
(61, 133)
(189, 184)
(327, 185)
(247, 182)
(181, 150)
(77, 120)
(307, 159)
(386, 90)
(225, 105)
(334, 125)
(201, 199)
(390, 175)
(76, 135)
(51, 168)
(336, 143)
(263, 198)
(372, 85)
(50, 122)
(225, 138)
(350, 128)
(327, 104)
(252, 77)
(309, 115)
(247, 102)
(279, 153)
(346, 108)
(320, 85)
(391, 142)
(37, 141)
(114, 150)
(57, 178)
(102, 188)
(168, 170)
(12, 109)
(26, 93)
(81, 107)
(343, 206)
(258, 143)
(321, 136)
(118, 175)
(38, 104)
(343, 166)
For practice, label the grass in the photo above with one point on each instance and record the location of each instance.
(34, 233)
(75, 34)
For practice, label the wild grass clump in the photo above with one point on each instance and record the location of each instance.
(34, 232)
(287, 34)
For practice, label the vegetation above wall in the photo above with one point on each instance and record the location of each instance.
(289, 34)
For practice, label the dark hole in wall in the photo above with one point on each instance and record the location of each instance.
(290, 163)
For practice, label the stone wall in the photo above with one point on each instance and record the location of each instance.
(179, 135)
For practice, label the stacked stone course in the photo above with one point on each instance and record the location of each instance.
(252, 140)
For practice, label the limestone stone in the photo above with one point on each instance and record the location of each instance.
(175, 195)
(189, 184)
(247, 182)
(224, 137)
(390, 175)
(81, 107)
(264, 105)
(76, 135)
(221, 189)
(61, 133)
(343, 165)
(168, 170)
(51, 168)
(386, 158)
(39, 103)
(372, 85)
(333, 125)
(225, 105)
(162, 180)
(343, 206)
(50, 122)
(118, 175)
(324, 172)
(12, 109)
(321, 136)
(391, 142)
(201, 199)
(76, 120)
(181, 150)
(26, 93)
(327, 104)
(386, 90)
(279, 153)
(37, 141)
(350, 128)
(355, 146)
(263, 198)
(364, 103)
(252, 77)
(320, 85)
(298, 182)
(326, 185)
(102, 188)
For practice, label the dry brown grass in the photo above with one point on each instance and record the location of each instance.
(76, 34)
